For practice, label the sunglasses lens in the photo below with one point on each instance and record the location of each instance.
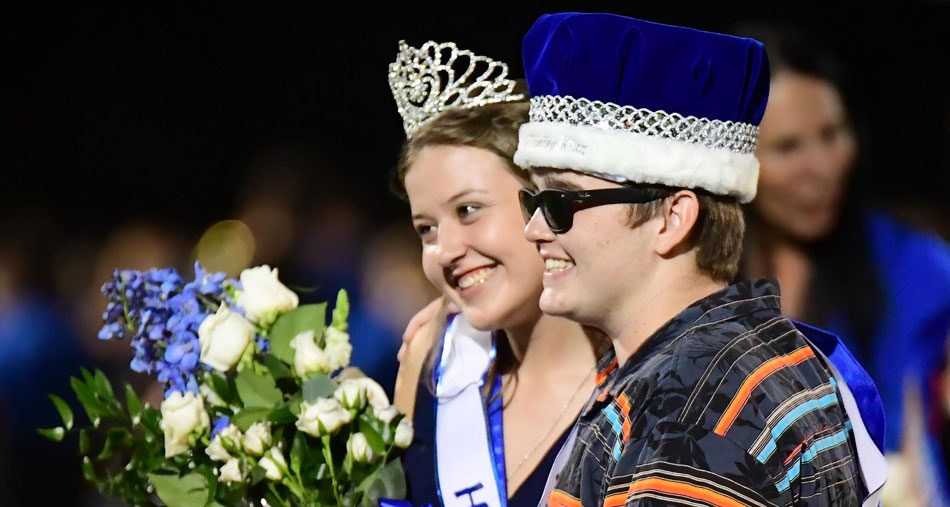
(529, 203)
(557, 210)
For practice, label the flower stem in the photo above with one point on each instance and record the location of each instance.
(328, 455)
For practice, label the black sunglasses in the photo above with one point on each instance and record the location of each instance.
(559, 206)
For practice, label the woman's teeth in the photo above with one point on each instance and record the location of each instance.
(474, 277)
(557, 264)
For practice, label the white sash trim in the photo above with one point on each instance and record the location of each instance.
(466, 469)
(871, 462)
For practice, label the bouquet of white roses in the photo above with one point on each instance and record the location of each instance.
(260, 407)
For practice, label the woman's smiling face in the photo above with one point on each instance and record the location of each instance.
(465, 208)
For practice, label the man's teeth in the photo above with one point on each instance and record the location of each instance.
(557, 264)
(474, 278)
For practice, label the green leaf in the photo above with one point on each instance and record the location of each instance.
(389, 481)
(373, 437)
(257, 390)
(64, 411)
(54, 434)
(278, 369)
(375, 491)
(190, 490)
(133, 402)
(281, 416)
(152, 418)
(87, 377)
(245, 418)
(257, 473)
(273, 500)
(341, 311)
(87, 398)
(89, 471)
(294, 402)
(313, 466)
(351, 499)
(298, 452)
(84, 443)
(318, 386)
(222, 387)
(116, 438)
(103, 386)
(290, 324)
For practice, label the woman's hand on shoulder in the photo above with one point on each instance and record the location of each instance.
(413, 355)
(418, 321)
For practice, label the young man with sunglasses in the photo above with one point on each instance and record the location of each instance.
(641, 142)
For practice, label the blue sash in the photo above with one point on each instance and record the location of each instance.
(863, 404)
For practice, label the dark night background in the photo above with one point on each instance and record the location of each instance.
(161, 109)
(176, 116)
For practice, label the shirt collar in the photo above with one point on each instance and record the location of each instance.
(734, 301)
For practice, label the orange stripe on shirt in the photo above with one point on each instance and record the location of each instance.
(615, 500)
(603, 374)
(602, 378)
(683, 490)
(562, 499)
(757, 376)
(625, 413)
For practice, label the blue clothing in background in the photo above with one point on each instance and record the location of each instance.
(909, 342)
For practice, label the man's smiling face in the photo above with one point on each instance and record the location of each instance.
(592, 268)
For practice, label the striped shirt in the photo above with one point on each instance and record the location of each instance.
(725, 405)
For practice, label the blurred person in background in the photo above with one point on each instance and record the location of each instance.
(390, 265)
(882, 286)
(38, 353)
(303, 219)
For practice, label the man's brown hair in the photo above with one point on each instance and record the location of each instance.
(716, 235)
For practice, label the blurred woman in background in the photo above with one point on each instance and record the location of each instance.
(882, 286)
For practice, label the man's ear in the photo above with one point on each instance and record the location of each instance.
(679, 217)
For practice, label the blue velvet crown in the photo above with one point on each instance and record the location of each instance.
(632, 100)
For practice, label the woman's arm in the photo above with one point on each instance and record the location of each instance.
(410, 368)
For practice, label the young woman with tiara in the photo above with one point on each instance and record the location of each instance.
(493, 390)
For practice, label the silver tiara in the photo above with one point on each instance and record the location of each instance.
(439, 76)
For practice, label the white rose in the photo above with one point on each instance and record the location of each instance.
(231, 472)
(386, 414)
(181, 415)
(359, 448)
(273, 462)
(308, 356)
(403, 433)
(351, 394)
(322, 417)
(217, 450)
(223, 337)
(262, 294)
(256, 438)
(337, 348)
(375, 394)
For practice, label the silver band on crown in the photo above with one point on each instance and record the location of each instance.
(736, 137)
(439, 76)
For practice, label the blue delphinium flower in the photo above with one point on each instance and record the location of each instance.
(163, 314)
(219, 424)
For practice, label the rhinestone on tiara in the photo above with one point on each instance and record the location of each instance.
(737, 137)
(438, 76)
